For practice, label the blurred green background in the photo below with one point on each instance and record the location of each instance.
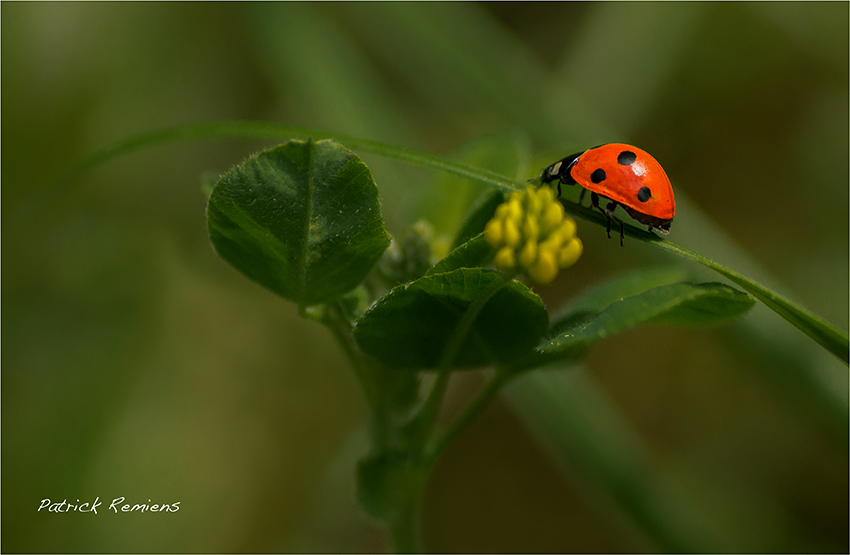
(136, 363)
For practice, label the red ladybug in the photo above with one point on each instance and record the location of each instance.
(624, 175)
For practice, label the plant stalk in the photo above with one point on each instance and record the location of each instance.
(469, 415)
(404, 528)
(427, 416)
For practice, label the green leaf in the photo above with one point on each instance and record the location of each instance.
(678, 303)
(598, 297)
(412, 324)
(824, 333)
(301, 219)
(697, 304)
(471, 254)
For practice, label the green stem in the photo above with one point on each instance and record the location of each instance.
(340, 327)
(403, 524)
(427, 416)
(341, 330)
(270, 131)
(469, 415)
(403, 529)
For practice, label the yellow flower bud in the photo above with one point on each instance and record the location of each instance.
(531, 202)
(568, 228)
(544, 270)
(546, 196)
(553, 217)
(511, 234)
(493, 231)
(505, 259)
(514, 208)
(528, 254)
(531, 233)
(570, 253)
(531, 228)
(553, 243)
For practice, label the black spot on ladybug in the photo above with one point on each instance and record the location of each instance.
(644, 194)
(598, 175)
(626, 158)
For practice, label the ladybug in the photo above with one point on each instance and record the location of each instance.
(624, 175)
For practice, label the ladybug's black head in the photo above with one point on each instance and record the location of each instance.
(560, 170)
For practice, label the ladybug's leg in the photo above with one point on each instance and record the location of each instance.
(594, 200)
(609, 211)
(609, 215)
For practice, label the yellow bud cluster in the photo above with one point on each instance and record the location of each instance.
(531, 234)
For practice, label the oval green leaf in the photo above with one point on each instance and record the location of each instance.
(599, 296)
(301, 219)
(412, 324)
(677, 303)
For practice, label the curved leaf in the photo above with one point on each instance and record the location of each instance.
(412, 324)
(677, 303)
(824, 333)
(301, 219)
(599, 296)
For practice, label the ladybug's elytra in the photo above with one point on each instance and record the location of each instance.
(624, 175)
